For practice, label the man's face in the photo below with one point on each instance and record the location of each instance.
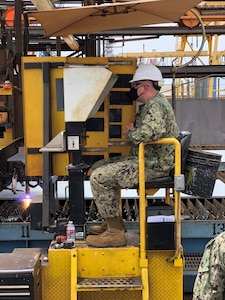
(141, 88)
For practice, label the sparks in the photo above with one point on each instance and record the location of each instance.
(26, 201)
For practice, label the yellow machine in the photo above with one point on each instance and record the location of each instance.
(130, 272)
(102, 140)
(140, 270)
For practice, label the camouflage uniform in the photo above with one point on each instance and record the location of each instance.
(154, 120)
(210, 280)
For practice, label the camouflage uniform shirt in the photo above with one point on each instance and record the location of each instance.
(155, 120)
(210, 281)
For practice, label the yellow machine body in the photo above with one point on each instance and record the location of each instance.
(8, 134)
(65, 269)
(98, 142)
(131, 272)
(8, 138)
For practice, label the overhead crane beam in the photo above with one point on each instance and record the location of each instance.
(194, 71)
(205, 18)
(160, 54)
(160, 31)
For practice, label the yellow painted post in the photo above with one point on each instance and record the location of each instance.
(177, 260)
(145, 279)
(73, 276)
(142, 207)
(142, 201)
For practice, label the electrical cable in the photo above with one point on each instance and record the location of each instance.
(174, 68)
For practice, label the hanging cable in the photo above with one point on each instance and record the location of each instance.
(174, 68)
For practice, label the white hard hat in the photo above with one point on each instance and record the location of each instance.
(147, 72)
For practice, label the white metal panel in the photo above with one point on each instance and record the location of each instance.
(85, 89)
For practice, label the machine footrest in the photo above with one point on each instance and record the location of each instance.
(192, 261)
(94, 284)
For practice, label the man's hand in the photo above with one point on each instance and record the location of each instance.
(127, 128)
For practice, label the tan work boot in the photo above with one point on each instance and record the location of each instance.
(114, 236)
(98, 229)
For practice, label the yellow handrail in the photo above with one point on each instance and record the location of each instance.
(142, 194)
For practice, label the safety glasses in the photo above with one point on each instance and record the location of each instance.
(137, 84)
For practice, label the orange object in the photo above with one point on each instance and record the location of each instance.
(190, 20)
(7, 85)
(60, 239)
(10, 16)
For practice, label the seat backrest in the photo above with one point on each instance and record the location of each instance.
(184, 138)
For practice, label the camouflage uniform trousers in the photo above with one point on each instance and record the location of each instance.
(111, 175)
(210, 280)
